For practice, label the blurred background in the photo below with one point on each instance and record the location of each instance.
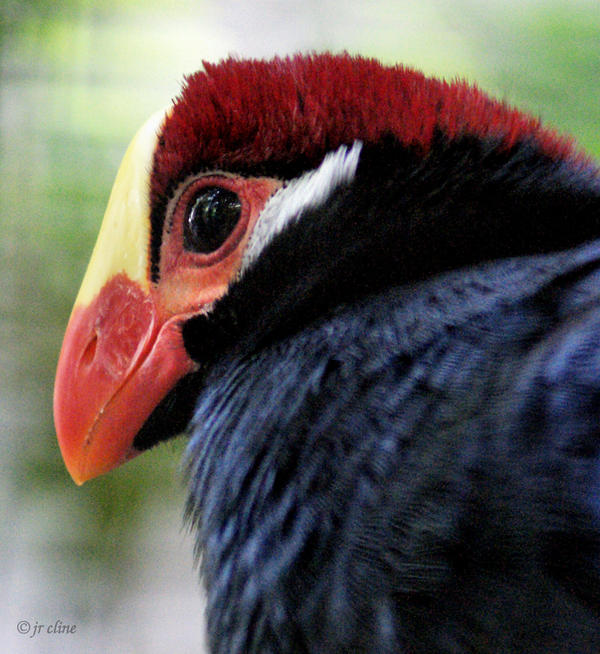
(77, 79)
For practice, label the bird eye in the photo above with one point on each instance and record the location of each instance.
(211, 216)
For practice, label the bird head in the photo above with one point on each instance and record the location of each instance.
(229, 221)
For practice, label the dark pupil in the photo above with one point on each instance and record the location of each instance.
(211, 217)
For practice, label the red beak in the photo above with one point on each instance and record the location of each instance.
(116, 364)
(120, 356)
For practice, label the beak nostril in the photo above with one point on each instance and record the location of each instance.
(90, 350)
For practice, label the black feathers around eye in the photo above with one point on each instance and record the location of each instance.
(210, 218)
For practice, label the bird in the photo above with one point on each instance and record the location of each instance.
(371, 299)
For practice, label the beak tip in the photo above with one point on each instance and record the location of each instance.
(72, 463)
(76, 473)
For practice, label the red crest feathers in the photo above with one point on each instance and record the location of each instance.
(241, 115)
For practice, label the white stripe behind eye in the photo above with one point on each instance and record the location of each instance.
(306, 192)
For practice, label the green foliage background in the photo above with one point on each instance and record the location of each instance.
(77, 79)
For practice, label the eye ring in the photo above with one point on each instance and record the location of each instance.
(177, 256)
(179, 234)
(210, 218)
